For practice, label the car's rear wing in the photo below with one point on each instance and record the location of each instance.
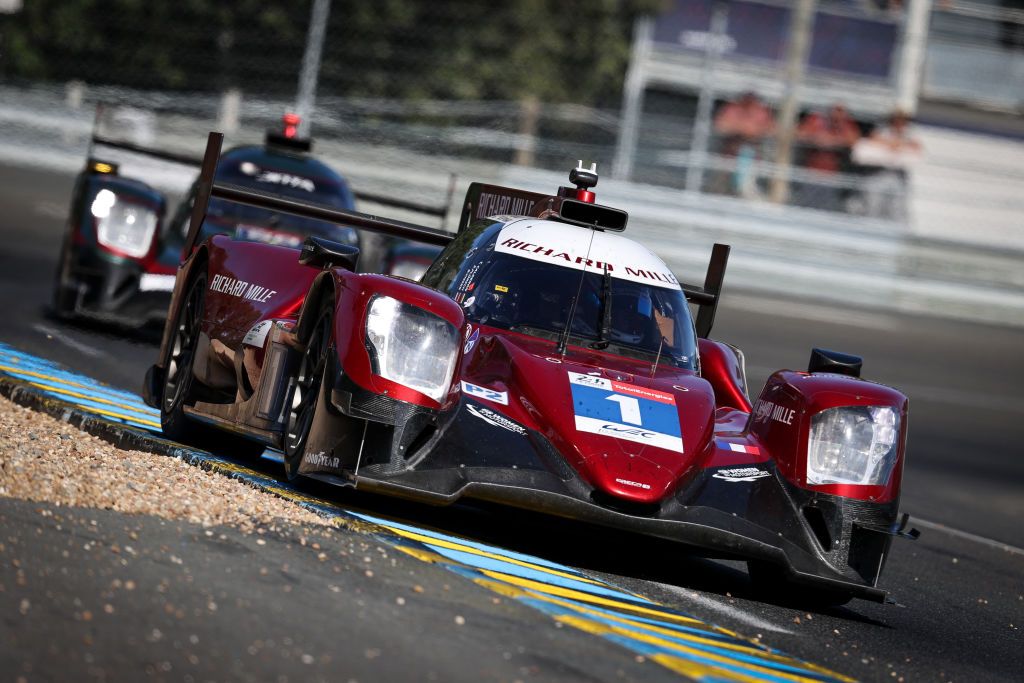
(207, 187)
(439, 211)
(705, 297)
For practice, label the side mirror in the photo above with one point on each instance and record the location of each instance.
(823, 360)
(318, 252)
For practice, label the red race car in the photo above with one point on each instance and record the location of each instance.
(544, 361)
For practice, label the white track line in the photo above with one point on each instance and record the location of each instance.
(62, 337)
(728, 610)
(966, 535)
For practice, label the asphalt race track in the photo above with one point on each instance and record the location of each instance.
(959, 590)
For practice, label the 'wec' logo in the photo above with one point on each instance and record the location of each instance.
(628, 430)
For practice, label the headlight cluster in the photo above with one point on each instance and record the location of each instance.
(125, 227)
(853, 445)
(410, 346)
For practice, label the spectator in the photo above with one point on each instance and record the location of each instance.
(742, 127)
(825, 141)
(828, 139)
(887, 155)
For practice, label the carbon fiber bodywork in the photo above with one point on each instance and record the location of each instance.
(822, 540)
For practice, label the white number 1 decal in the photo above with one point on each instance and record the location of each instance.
(629, 407)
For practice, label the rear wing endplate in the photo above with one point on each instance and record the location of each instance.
(706, 297)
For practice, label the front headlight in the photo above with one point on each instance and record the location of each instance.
(410, 346)
(853, 445)
(122, 226)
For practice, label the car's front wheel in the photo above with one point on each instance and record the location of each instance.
(306, 390)
(178, 376)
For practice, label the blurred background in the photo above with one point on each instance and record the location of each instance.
(875, 144)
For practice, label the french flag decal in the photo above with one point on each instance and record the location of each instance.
(737, 447)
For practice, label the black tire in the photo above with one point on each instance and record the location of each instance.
(178, 384)
(770, 582)
(305, 394)
(64, 293)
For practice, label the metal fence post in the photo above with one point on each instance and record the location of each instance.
(698, 156)
(311, 63)
(796, 64)
(911, 65)
(632, 99)
(230, 108)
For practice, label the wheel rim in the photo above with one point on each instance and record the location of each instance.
(179, 365)
(307, 388)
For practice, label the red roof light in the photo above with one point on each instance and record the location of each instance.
(291, 124)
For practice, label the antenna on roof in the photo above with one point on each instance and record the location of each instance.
(584, 179)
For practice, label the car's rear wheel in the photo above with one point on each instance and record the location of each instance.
(305, 396)
(178, 386)
(770, 582)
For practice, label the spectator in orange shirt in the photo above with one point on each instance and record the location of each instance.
(742, 126)
(828, 139)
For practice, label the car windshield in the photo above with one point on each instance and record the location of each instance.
(629, 318)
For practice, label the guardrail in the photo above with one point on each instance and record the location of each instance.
(778, 250)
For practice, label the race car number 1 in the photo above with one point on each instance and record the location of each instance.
(630, 408)
(625, 411)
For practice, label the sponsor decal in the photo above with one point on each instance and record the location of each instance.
(469, 302)
(590, 380)
(512, 245)
(151, 282)
(496, 419)
(627, 482)
(491, 204)
(737, 447)
(258, 334)
(643, 392)
(623, 259)
(500, 288)
(625, 411)
(471, 340)
(254, 233)
(276, 177)
(321, 459)
(241, 289)
(487, 394)
(467, 283)
(741, 474)
(766, 410)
